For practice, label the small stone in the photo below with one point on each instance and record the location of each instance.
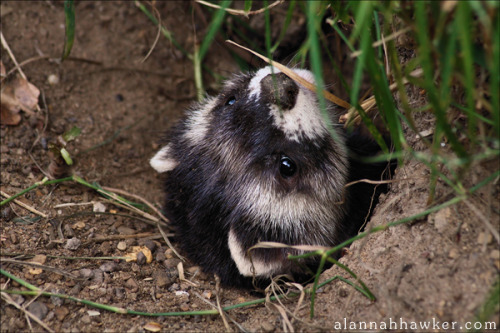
(184, 307)
(53, 79)
(122, 246)
(73, 244)
(97, 276)
(141, 258)
(132, 285)
(108, 267)
(61, 312)
(441, 219)
(171, 263)
(163, 280)
(169, 253)
(86, 319)
(160, 256)
(86, 273)
(453, 254)
(99, 207)
(484, 238)
(38, 309)
(149, 244)
(495, 254)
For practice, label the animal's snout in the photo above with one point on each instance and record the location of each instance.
(280, 90)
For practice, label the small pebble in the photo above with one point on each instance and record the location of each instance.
(97, 276)
(132, 285)
(86, 273)
(38, 309)
(150, 245)
(73, 244)
(61, 312)
(86, 319)
(484, 238)
(141, 258)
(160, 256)
(453, 254)
(495, 254)
(122, 246)
(163, 280)
(108, 267)
(171, 263)
(169, 253)
(53, 79)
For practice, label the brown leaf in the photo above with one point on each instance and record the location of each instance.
(7, 117)
(17, 95)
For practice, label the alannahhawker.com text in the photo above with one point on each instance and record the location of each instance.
(401, 324)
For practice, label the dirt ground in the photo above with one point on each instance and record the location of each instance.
(439, 268)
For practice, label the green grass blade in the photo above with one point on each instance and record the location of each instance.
(463, 22)
(213, 29)
(313, 21)
(69, 12)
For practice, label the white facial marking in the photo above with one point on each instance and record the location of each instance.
(254, 85)
(198, 121)
(247, 267)
(162, 162)
(304, 120)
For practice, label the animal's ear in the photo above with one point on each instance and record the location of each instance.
(163, 161)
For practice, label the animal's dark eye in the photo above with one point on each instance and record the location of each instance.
(287, 167)
(231, 100)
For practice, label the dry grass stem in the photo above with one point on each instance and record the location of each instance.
(11, 55)
(239, 11)
(383, 40)
(137, 197)
(37, 265)
(25, 206)
(158, 34)
(169, 244)
(219, 307)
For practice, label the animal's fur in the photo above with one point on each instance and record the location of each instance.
(225, 191)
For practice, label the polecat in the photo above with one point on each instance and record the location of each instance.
(258, 163)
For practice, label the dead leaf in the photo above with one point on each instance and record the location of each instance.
(17, 95)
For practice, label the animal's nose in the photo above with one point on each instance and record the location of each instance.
(280, 90)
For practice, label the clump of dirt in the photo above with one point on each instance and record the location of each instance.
(439, 267)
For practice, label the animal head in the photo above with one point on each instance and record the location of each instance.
(264, 146)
